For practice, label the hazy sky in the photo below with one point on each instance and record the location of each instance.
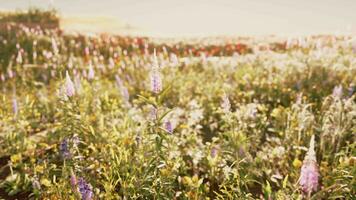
(212, 17)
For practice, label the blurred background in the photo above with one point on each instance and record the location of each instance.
(174, 18)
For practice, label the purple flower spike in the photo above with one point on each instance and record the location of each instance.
(69, 86)
(168, 127)
(73, 181)
(156, 79)
(309, 175)
(15, 106)
(156, 82)
(85, 189)
(64, 148)
(91, 73)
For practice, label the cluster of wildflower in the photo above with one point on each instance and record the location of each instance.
(85, 189)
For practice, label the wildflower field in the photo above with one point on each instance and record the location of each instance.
(114, 117)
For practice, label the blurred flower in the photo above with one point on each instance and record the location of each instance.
(54, 46)
(337, 92)
(226, 103)
(85, 189)
(214, 151)
(69, 86)
(36, 184)
(91, 72)
(168, 126)
(155, 75)
(75, 141)
(351, 90)
(77, 83)
(19, 57)
(156, 82)
(64, 148)
(123, 90)
(309, 175)
(73, 181)
(299, 98)
(153, 113)
(15, 107)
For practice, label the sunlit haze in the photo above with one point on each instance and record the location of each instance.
(208, 17)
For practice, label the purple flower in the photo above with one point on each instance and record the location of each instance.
(85, 189)
(214, 152)
(73, 181)
(156, 82)
(64, 148)
(75, 141)
(15, 107)
(168, 126)
(69, 86)
(153, 113)
(309, 175)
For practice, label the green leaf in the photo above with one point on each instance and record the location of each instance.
(285, 181)
(145, 99)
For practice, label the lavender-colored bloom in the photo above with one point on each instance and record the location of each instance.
(214, 152)
(337, 92)
(155, 75)
(309, 175)
(168, 126)
(35, 184)
(77, 83)
(75, 141)
(73, 181)
(153, 113)
(85, 189)
(69, 86)
(64, 148)
(91, 73)
(156, 82)
(15, 107)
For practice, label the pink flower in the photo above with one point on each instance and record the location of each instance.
(309, 175)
